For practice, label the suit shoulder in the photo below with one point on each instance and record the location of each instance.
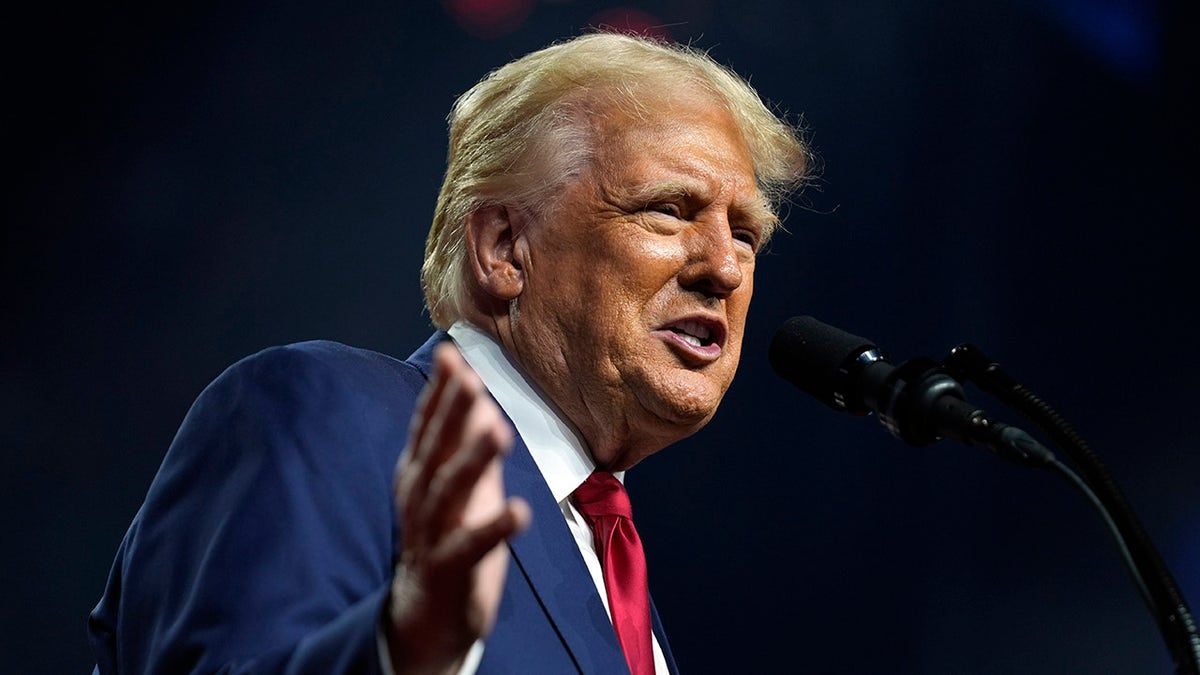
(274, 500)
(325, 358)
(305, 399)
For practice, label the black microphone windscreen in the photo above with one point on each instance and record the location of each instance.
(812, 355)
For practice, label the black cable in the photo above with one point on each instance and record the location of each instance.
(1126, 557)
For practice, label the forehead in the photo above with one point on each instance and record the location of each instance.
(659, 114)
(682, 139)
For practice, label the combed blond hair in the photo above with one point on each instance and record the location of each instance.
(520, 135)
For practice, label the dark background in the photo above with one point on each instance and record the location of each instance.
(191, 182)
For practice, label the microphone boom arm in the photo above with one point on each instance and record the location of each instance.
(1159, 588)
(921, 401)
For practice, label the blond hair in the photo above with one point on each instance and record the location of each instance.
(517, 137)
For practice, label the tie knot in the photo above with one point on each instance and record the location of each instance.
(602, 495)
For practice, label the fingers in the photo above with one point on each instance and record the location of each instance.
(442, 401)
(485, 437)
(437, 610)
(430, 395)
(467, 546)
(457, 433)
(452, 387)
(452, 403)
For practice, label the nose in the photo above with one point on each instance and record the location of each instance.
(713, 267)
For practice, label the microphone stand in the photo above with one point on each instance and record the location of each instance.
(1159, 588)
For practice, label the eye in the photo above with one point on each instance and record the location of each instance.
(665, 208)
(747, 237)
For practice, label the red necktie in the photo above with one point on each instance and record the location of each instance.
(603, 502)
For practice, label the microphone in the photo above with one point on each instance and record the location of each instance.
(917, 401)
(920, 402)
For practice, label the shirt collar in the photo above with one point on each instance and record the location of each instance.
(559, 452)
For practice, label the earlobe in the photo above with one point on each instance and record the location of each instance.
(492, 241)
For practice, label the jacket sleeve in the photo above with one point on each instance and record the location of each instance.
(265, 543)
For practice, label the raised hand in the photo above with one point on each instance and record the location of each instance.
(454, 519)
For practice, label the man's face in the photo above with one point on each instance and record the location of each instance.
(637, 282)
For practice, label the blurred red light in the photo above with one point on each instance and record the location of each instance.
(489, 18)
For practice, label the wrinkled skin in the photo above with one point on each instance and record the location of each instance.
(662, 229)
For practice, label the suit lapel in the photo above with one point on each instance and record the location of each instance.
(661, 634)
(550, 561)
(423, 357)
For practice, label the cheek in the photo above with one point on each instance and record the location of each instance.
(638, 287)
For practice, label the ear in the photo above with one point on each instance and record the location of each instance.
(491, 237)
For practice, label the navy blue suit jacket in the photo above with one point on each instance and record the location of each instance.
(266, 541)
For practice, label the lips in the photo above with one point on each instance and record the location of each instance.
(699, 337)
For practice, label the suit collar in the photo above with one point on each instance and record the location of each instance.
(423, 357)
(549, 560)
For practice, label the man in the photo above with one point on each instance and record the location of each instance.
(591, 260)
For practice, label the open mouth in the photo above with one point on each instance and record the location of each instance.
(693, 332)
(701, 339)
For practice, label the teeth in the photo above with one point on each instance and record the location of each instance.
(694, 328)
(693, 332)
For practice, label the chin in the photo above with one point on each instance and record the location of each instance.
(688, 408)
(661, 430)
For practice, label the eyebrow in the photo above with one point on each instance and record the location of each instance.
(761, 213)
(662, 190)
(755, 209)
